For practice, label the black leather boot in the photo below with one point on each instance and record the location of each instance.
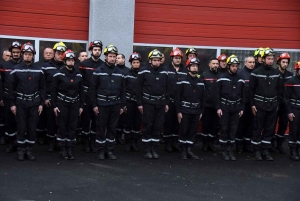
(230, 152)
(134, 146)
(266, 155)
(101, 155)
(71, 153)
(205, 146)
(293, 154)
(175, 146)
(21, 153)
(279, 147)
(153, 151)
(93, 143)
(168, 146)
(28, 154)
(190, 154)
(258, 156)
(211, 146)
(128, 145)
(111, 156)
(51, 146)
(183, 152)
(2, 140)
(86, 144)
(63, 153)
(225, 155)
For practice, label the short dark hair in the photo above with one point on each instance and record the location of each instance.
(123, 56)
(213, 58)
(81, 51)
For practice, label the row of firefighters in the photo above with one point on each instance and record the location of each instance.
(245, 104)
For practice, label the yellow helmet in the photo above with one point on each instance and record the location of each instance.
(191, 50)
(259, 52)
(110, 49)
(268, 52)
(60, 47)
(155, 54)
(232, 60)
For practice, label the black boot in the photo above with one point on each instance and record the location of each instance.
(258, 156)
(205, 146)
(168, 146)
(248, 147)
(21, 153)
(273, 146)
(239, 147)
(134, 146)
(63, 153)
(71, 153)
(230, 152)
(293, 154)
(51, 146)
(211, 147)
(128, 145)
(183, 153)
(93, 143)
(298, 150)
(101, 155)
(120, 138)
(279, 147)
(153, 151)
(11, 145)
(190, 154)
(86, 144)
(266, 155)
(225, 155)
(147, 151)
(28, 154)
(2, 140)
(175, 146)
(111, 156)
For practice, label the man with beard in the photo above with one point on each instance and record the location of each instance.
(50, 68)
(210, 118)
(27, 95)
(292, 100)
(87, 68)
(9, 120)
(265, 90)
(282, 61)
(230, 102)
(245, 129)
(108, 101)
(222, 63)
(176, 71)
(152, 101)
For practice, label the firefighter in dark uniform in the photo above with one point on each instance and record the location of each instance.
(152, 100)
(50, 68)
(292, 100)
(265, 89)
(87, 68)
(132, 125)
(230, 102)
(6, 68)
(210, 118)
(245, 129)
(27, 94)
(67, 100)
(120, 61)
(41, 126)
(258, 57)
(222, 63)
(282, 61)
(107, 93)
(190, 53)
(190, 105)
(176, 71)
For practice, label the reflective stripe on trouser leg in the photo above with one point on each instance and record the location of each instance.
(10, 121)
(188, 127)
(171, 125)
(294, 135)
(210, 122)
(282, 123)
(132, 123)
(51, 122)
(268, 130)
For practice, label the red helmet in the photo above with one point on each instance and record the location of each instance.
(28, 47)
(297, 65)
(95, 43)
(191, 61)
(222, 57)
(135, 56)
(14, 44)
(69, 54)
(176, 52)
(284, 55)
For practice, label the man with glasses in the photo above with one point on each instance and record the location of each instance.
(108, 100)
(152, 101)
(87, 68)
(245, 129)
(265, 90)
(50, 68)
(10, 122)
(27, 95)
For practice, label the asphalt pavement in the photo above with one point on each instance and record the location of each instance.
(131, 177)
